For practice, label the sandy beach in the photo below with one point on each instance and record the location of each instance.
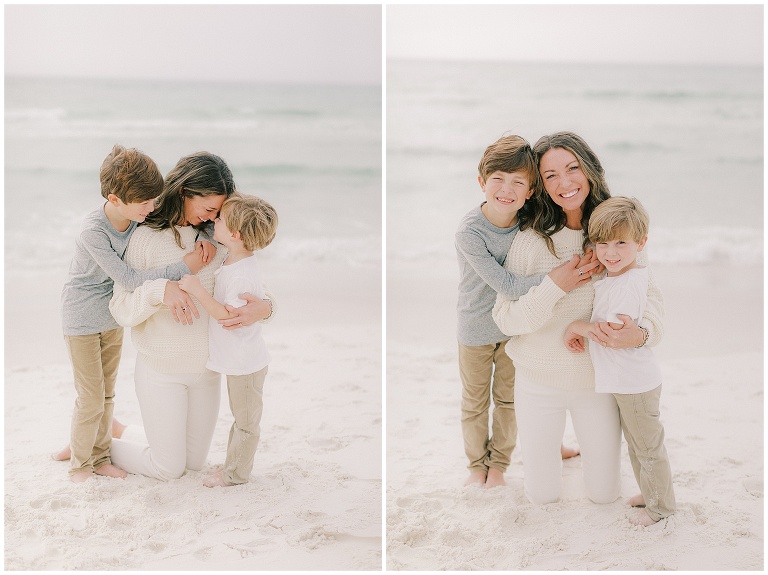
(712, 410)
(314, 502)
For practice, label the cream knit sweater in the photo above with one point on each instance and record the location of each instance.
(166, 346)
(538, 319)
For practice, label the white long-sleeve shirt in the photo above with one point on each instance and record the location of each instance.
(539, 318)
(166, 346)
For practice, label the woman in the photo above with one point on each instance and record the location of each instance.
(550, 379)
(178, 396)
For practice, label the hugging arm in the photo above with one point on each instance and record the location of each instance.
(501, 280)
(100, 249)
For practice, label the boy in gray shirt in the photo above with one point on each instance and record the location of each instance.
(130, 182)
(507, 177)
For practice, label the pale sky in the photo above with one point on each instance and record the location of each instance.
(262, 43)
(693, 33)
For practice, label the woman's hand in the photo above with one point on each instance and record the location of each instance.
(180, 303)
(628, 335)
(574, 273)
(194, 259)
(255, 310)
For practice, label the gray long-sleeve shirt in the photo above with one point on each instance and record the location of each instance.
(96, 265)
(482, 249)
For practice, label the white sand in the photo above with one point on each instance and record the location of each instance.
(712, 409)
(315, 499)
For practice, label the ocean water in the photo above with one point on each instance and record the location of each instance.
(314, 152)
(686, 141)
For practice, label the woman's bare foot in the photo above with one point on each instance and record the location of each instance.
(641, 517)
(568, 452)
(109, 470)
(66, 453)
(80, 476)
(478, 477)
(495, 478)
(636, 501)
(216, 480)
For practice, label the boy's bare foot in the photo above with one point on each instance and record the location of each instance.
(641, 517)
(636, 501)
(216, 480)
(476, 477)
(80, 476)
(66, 453)
(109, 470)
(568, 452)
(62, 455)
(495, 478)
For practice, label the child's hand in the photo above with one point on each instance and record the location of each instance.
(194, 259)
(573, 341)
(190, 283)
(209, 251)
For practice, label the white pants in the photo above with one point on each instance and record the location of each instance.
(179, 411)
(541, 423)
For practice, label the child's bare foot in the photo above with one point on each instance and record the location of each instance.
(636, 501)
(62, 455)
(476, 477)
(80, 476)
(641, 517)
(568, 452)
(109, 470)
(66, 453)
(216, 480)
(495, 478)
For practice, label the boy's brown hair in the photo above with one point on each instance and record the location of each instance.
(254, 218)
(130, 175)
(509, 154)
(618, 218)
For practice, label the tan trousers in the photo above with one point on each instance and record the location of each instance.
(95, 359)
(644, 434)
(487, 371)
(246, 402)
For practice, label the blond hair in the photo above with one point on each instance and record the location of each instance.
(254, 218)
(618, 217)
(130, 175)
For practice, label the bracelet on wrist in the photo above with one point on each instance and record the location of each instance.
(645, 337)
(272, 310)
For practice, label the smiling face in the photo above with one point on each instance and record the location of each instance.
(505, 193)
(619, 254)
(134, 211)
(564, 181)
(200, 209)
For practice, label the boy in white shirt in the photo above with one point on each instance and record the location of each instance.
(619, 229)
(245, 224)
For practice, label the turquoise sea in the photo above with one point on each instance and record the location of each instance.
(314, 152)
(685, 140)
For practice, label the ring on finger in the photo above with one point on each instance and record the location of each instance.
(183, 309)
(580, 272)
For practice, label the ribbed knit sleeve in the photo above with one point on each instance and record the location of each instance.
(166, 346)
(539, 318)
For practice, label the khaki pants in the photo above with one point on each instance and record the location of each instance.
(95, 359)
(639, 413)
(487, 371)
(246, 402)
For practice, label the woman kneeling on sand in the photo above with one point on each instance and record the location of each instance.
(550, 379)
(178, 396)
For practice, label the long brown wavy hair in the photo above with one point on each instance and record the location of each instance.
(549, 218)
(198, 174)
